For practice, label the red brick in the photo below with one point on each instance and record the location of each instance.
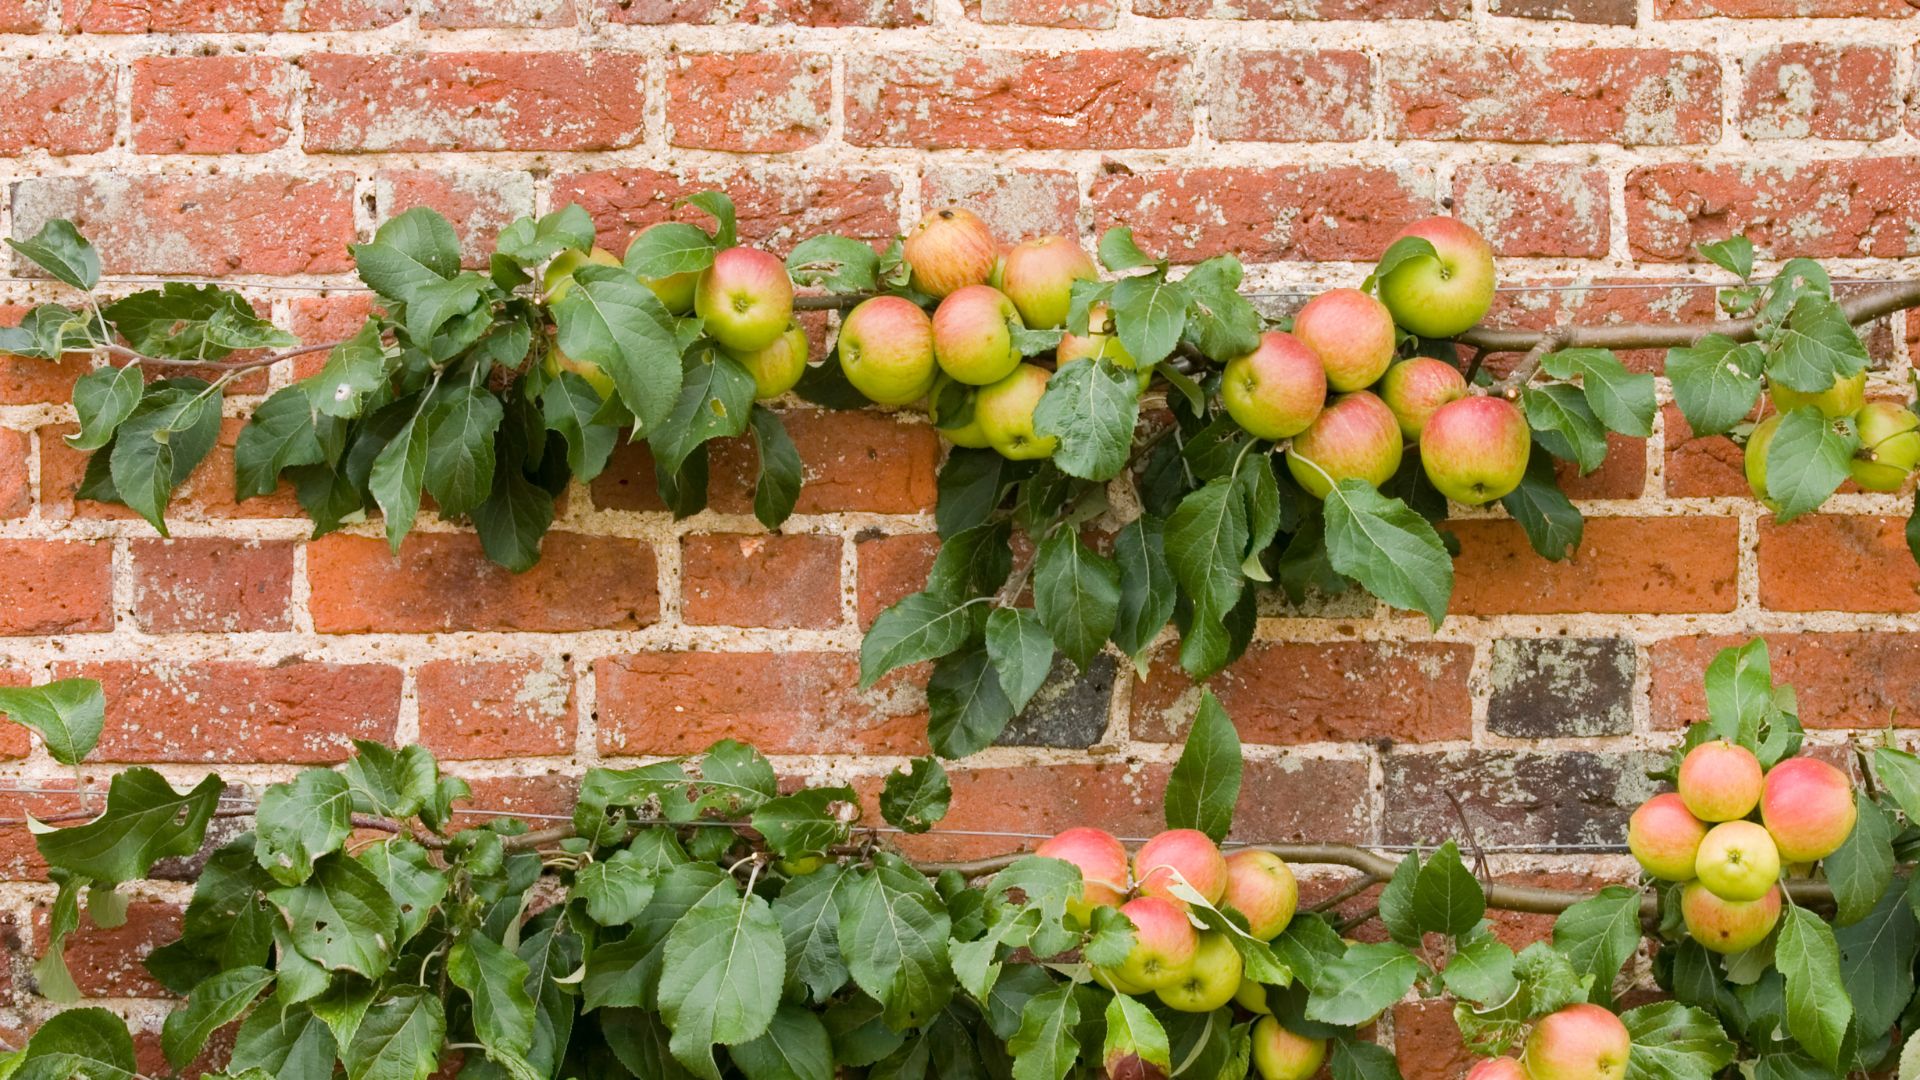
(475, 101)
(790, 702)
(1064, 14)
(1296, 692)
(755, 102)
(176, 16)
(892, 567)
(551, 793)
(24, 16)
(16, 495)
(1623, 565)
(207, 494)
(1603, 12)
(1292, 95)
(211, 586)
(60, 106)
(357, 15)
(488, 14)
(478, 202)
(55, 587)
(876, 13)
(25, 380)
(495, 708)
(784, 582)
(1000, 99)
(778, 207)
(1622, 476)
(1816, 90)
(1829, 562)
(1302, 9)
(1542, 210)
(1700, 467)
(19, 858)
(1316, 213)
(108, 963)
(206, 225)
(1781, 9)
(211, 104)
(1015, 203)
(443, 581)
(1427, 1042)
(1612, 301)
(1817, 209)
(1843, 680)
(15, 743)
(150, 1054)
(318, 319)
(1526, 95)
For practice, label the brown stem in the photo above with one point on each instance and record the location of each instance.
(224, 365)
(1523, 373)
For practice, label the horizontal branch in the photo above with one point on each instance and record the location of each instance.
(267, 360)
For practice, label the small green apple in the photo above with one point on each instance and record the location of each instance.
(1889, 446)
(1738, 861)
(1446, 293)
(1279, 1054)
(1210, 981)
(777, 368)
(1843, 398)
(558, 280)
(1004, 412)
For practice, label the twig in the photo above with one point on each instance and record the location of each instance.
(1523, 373)
(1480, 867)
(268, 360)
(1359, 885)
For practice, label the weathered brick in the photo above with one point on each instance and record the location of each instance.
(1520, 797)
(778, 207)
(211, 104)
(496, 708)
(891, 567)
(1553, 688)
(479, 202)
(1830, 562)
(1292, 95)
(785, 582)
(107, 963)
(489, 14)
(24, 16)
(1819, 209)
(1536, 210)
(475, 101)
(26, 380)
(875, 13)
(15, 743)
(1427, 1042)
(356, 15)
(211, 586)
(1264, 214)
(1069, 711)
(1015, 203)
(19, 857)
(1615, 300)
(1818, 90)
(16, 493)
(207, 494)
(1538, 95)
(318, 319)
(1064, 14)
(998, 99)
(757, 102)
(55, 587)
(1843, 680)
(176, 16)
(1623, 565)
(1603, 12)
(1781, 9)
(443, 581)
(1302, 9)
(1622, 476)
(1698, 467)
(60, 106)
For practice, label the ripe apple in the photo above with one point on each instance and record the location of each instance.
(1164, 943)
(1351, 333)
(1100, 340)
(1004, 412)
(1444, 295)
(1038, 275)
(1728, 926)
(1355, 436)
(1275, 391)
(1500, 1068)
(1252, 996)
(1756, 459)
(1416, 387)
(1719, 781)
(971, 338)
(886, 350)
(1180, 854)
(558, 280)
(1475, 450)
(745, 297)
(1116, 982)
(1210, 981)
(1580, 1042)
(1737, 861)
(1665, 837)
(1279, 1054)
(675, 290)
(1843, 398)
(778, 367)
(1889, 446)
(1261, 886)
(1102, 862)
(949, 249)
(1807, 805)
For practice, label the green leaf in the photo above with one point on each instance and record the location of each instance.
(795, 1046)
(1092, 409)
(568, 405)
(1734, 255)
(1715, 382)
(410, 252)
(355, 368)
(1076, 593)
(1354, 1059)
(720, 983)
(300, 821)
(460, 449)
(1205, 783)
(514, 518)
(77, 1044)
(1021, 651)
(1621, 399)
(1386, 547)
(1045, 1047)
(1482, 970)
(398, 475)
(172, 429)
(1899, 773)
(969, 487)
(1862, 869)
(918, 627)
(807, 822)
(1132, 1032)
(616, 889)
(409, 876)
(627, 972)
(396, 783)
(1149, 313)
(1118, 251)
(1815, 346)
(973, 563)
(48, 332)
(1807, 461)
(966, 707)
(281, 434)
(776, 489)
(1368, 979)
(669, 248)
(1818, 1009)
(342, 918)
(1672, 1041)
(529, 241)
(1206, 540)
(1564, 423)
(145, 821)
(893, 936)
(285, 1041)
(1739, 688)
(1552, 523)
(809, 915)
(102, 399)
(1396, 902)
(720, 208)
(1221, 323)
(1447, 898)
(213, 1004)
(716, 401)
(496, 982)
(67, 714)
(1405, 250)
(1876, 962)
(1146, 587)
(1598, 934)
(915, 800)
(399, 1039)
(834, 263)
(60, 250)
(610, 320)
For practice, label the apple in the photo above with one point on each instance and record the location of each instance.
(1500, 1068)
(1416, 387)
(1756, 459)
(1355, 437)
(1261, 886)
(1275, 391)
(1252, 996)
(675, 290)
(949, 249)
(745, 298)
(1351, 333)
(971, 337)
(1475, 450)
(1038, 275)
(1444, 294)
(1580, 1042)
(1728, 926)
(1719, 781)
(1843, 398)
(1164, 943)
(1279, 1054)
(967, 435)
(1210, 981)
(1116, 982)
(778, 367)
(802, 865)
(1889, 446)
(558, 280)
(1665, 837)
(1737, 861)
(886, 350)
(1807, 805)
(1177, 854)
(1099, 341)
(1103, 867)
(1004, 412)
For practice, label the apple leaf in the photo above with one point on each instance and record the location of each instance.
(1118, 252)
(1146, 587)
(834, 263)
(528, 241)
(102, 399)
(1149, 314)
(1091, 407)
(60, 250)
(1807, 461)
(67, 714)
(1076, 593)
(1386, 547)
(672, 247)
(1598, 934)
(1734, 255)
(1862, 869)
(1046, 1047)
(1447, 898)
(610, 320)
(1205, 783)
(1672, 1041)
(1363, 982)
(915, 800)
(1818, 1008)
(719, 206)
(1132, 1032)
(966, 707)
(1021, 651)
(1715, 382)
(1552, 523)
(1816, 346)
(1399, 253)
(1358, 1059)
(922, 626)
(1623, 400)
(1564, 423)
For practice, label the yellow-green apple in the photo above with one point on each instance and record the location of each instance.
(1475, 450)
(949, 249)
(1737, 861)
(1116, 982)
(745, 298)
(1351, 333)
(1279, 1054)
(1719, 781)
(1446, 293)
(1252, 996)
(1665, 837)
(675, 290)
(1210, 980)
(1844, 398)
(1580, 1042)
(1102, 862)
(1038, 275)
(1756, 459)
(972, 338)
(778, 367)
(1261, 886)
(967, 435)
(1728, 926)
(1414, 388)
(886, 350)
(1354, 437)
(1275, 391)
(1500, 1068)
(1180, 855)
(1808, 806)
(1889, 446)
(1004, 412)
(1164, 943)
(1099, 341)
(558, 280)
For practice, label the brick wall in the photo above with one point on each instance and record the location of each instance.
(1595, 141)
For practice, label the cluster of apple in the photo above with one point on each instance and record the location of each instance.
(1579, 1042)
(1175, 957)
(1889, 434)
(1704, 835)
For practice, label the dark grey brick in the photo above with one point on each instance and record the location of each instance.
(1546, 688)
(1069, 712)
(1515, 797)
